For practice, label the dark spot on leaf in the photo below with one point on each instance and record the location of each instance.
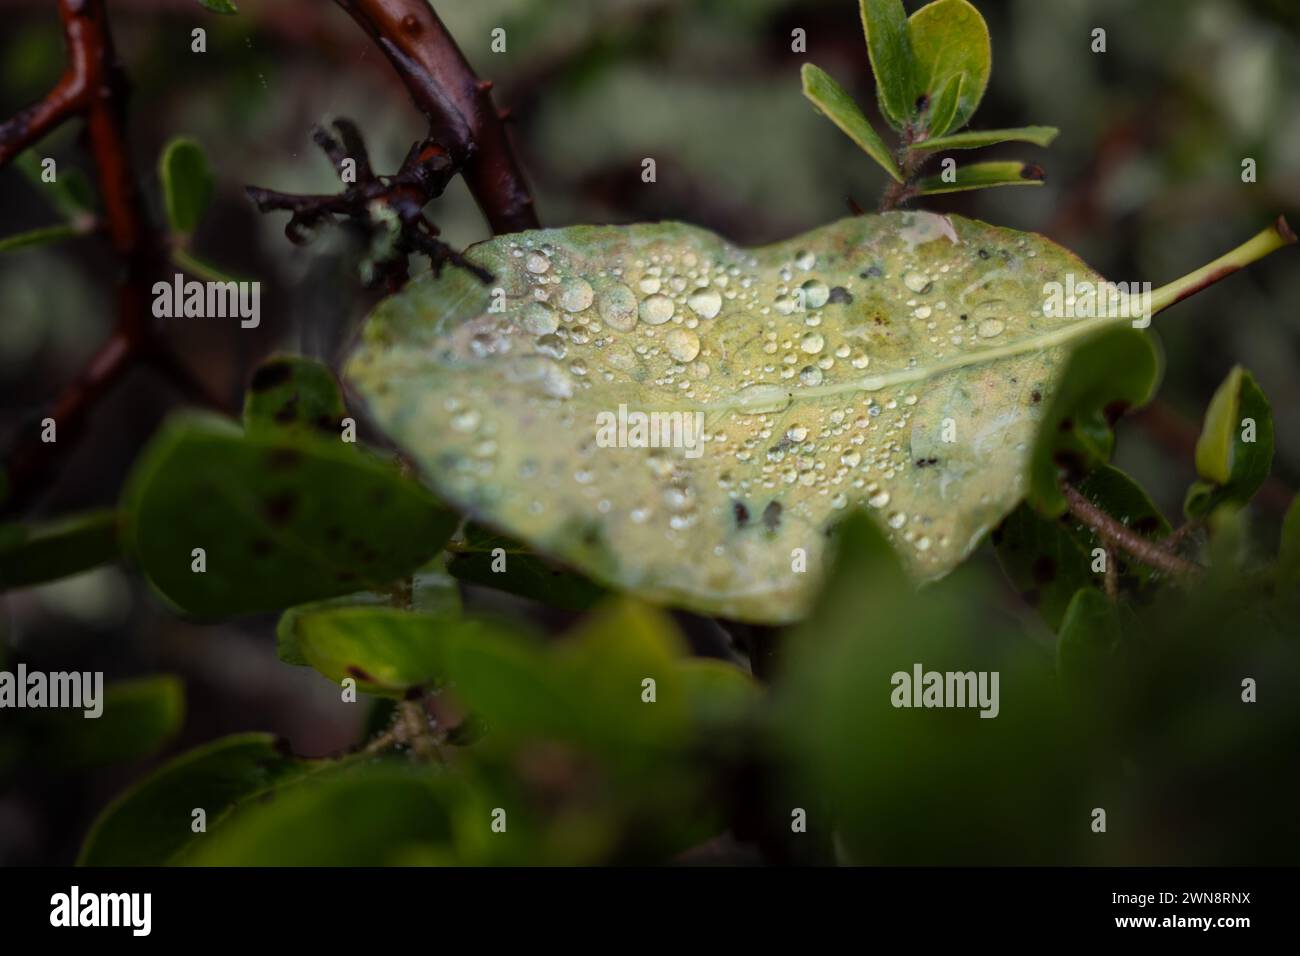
(983, 253)
(964, 317)
(1043, 569)
(772, 515)
(872, 272)
(359, 674)
(1115, 411)
(1032, 171)
(926, 462)
(741, 513)
(840, 296)
(279, 508)
(1035, 396)
(1067, 425)
(269, 375)
(279, 459)
(287, 412)
(922, 102)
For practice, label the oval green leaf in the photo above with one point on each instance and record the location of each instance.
(1235, 450)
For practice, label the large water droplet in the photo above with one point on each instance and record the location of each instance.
(815, 293)
(683, 344)
(618, 307)
(706, 303)
(657, 310)
(916, 281)
(762, 398)
(575, 295)
(537, 263)
(539, 318)
(812, 343)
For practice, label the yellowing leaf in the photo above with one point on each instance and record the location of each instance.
(898, 362)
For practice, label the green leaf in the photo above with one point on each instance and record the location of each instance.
(1105, 376)
(362, 816)
(950, 39)
(983, 176)
(494, 561)
(911, 382)
(295, 393)
(220, 6)
(282, 519)
(191, 264)
(139, 716)
(1048, 560)
(39, 237)
(186, 180)
(885, 25)
(150, 823)
(974, 139)
(1086, 650)
(47, 552)
(1235, 450)
(387, 650)
(829, 97)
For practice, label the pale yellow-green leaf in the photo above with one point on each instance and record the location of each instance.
(896, 362)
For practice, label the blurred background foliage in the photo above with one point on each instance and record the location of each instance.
(1144, 183)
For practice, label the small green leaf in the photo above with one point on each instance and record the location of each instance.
(885, 25)
(138, 718)
(71, 193)
(983, 176)
(31, 555)
(948, 39)
(281, 518)
(151, 823)
(1105, 375)
(387, 650)
(1090, 636)
(295, 393)
(491, 560)
(220, 6)
(974, 139)
(829, 97)
(40, 237)
(1235, 450)
(186, 180)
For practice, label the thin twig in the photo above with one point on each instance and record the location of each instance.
(462, 117)
(1116, 534)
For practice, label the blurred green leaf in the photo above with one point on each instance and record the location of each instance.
(1105, 375)
(139, 716)
(283, 520)
(296, 393)
(974, 139)
(191, 264)
(884, 22)
(495, 561)
(367, 815)
(954, 786)
(186, 180)
(949, 39)
(151, 823)
(982, 176)
(829, 97)
(1235, 450)
(46, 552)
(1090, 636)
(1288, 557)
(39, 237)
(220, 6)
(387, 650)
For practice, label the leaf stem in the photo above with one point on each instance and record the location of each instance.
(1116, 534)
(1267, 240)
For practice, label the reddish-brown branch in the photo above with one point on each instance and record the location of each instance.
(93, 88)
(1116, 534)
(462, 117)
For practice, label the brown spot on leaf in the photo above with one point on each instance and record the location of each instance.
(840, 296)
(741, 513)
(772, 515)
(269, 375)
